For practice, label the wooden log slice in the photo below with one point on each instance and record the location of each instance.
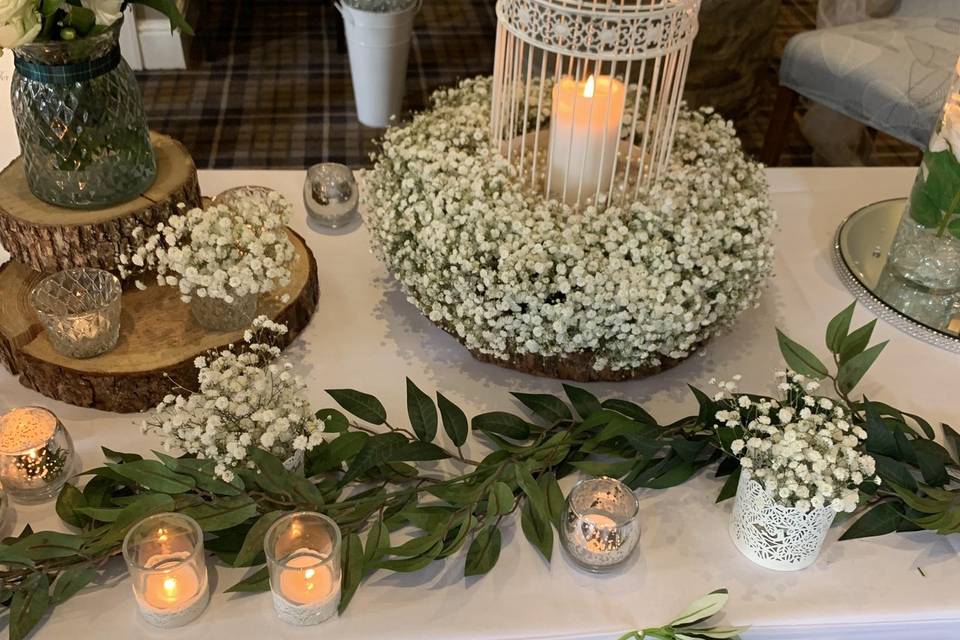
(49, 238)
(158, 340)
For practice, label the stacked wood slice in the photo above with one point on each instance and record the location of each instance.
(158, 339)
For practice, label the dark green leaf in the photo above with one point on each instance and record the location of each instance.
(9, 555)
(853, 370)
(418, 451)
(97, 491)
(251, 551)
(71, 581)
(932, 460)
(615, 469)
(353, 563)
(29, 604)
(378, 541)
(133, 513)
(454, 420)
(333, 421)
(415, 546)
(550, 408)
(422, 412)
(923, 208)
(502, 423)
(555, 502)
(894, 471)
(377, 450)
(101, 514)
(409, 565)
(838, 328)
(629, 409)
(533, 491)
(800, 359)
(880, 520)
(582, 400)
(154, 476)
(203, 473)
(223, 513)
(675, 476)
(857, 341)
(256, 582)
(484, 551)
(69, 500)
(80, 18)
(117, 456)
(331, 455)
(362, 405)
(730, 486)
(537, 530)
(47, 545)
(880, 438)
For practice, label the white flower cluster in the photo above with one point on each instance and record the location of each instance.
(803, 449)
(246, 399)
(510, 272)
(236, 247)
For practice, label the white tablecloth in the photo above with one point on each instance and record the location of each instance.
(366, 336)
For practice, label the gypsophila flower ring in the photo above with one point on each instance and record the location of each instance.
(528, 283)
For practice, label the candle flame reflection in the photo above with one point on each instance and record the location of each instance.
(589, 89)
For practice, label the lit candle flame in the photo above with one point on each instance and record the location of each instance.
(170, 588)
(590, 88)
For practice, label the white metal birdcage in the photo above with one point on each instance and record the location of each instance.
(586, 93)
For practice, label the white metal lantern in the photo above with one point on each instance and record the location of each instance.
(586, 93)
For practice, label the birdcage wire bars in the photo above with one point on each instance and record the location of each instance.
(586, 93)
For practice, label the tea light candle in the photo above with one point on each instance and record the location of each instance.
(36, 454)
(303, 556)
(169, 576)
(600, 529)
(584, 136)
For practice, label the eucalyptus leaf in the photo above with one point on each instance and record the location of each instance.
(703, 608)
(550, 408)
(454, 420)
(154, 476)
(353, 565)
(582, 400)
(30, 602)
(252, 549)
(839, 327)
(502, 423)
(71, 581)
(69, 500)
(422, 412)
(800, 359)
(484, 551)
(362, 405)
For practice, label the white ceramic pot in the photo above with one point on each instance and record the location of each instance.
(774, 536)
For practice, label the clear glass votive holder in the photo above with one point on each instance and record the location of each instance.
(601, 527)
(80, 309)
(36, 454)
(331, 194)
(303, 557)
(168, 571)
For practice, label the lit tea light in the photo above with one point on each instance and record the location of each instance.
(600, 527)
(165, 556)
(303, 556)
(36, 454)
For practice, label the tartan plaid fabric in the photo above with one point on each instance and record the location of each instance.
(268, 87)
(68, 73)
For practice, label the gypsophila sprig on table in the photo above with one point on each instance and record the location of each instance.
(247, 398)
(802, 448)
(229, 249)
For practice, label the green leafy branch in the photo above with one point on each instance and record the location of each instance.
(935, 199)
(689, 624)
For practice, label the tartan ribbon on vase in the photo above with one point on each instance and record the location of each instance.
(70, 73)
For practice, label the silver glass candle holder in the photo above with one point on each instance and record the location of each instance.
(601, 527)
(80, 310)
(36, 454)
(168, 570)
(331, 194)
(303, 557)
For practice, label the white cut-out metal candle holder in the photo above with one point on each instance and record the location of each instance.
(36, 454)
(167, 569)
(774, 536)
(303, 557)
(586, 93)
(601, 527)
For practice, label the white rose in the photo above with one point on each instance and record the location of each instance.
(19, 22)
(106, 12)
(948, 137)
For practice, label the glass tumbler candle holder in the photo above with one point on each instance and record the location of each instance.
(331, 194)
(303, 556)
(80, 309)
(600, 524)
(164, 553)
(36, 454)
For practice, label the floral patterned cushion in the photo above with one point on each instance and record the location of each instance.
(891, 73)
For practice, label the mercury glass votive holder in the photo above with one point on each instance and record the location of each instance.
(36, 454)
(303, 557)
(164, 553)
(80, 310)
(331, 194)
(601, 527)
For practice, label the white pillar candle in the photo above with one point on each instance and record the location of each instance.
(584, 136)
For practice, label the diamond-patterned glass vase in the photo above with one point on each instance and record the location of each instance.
(80, 121)
(80, 309)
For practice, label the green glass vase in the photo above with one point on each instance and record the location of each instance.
(79, 116)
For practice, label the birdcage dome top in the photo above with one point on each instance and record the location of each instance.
(602, 29)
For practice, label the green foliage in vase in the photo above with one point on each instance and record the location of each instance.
(935, 199)
(399, 511)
